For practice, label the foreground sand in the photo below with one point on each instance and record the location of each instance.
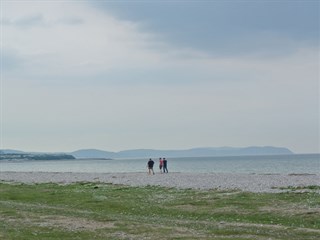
(245, 182)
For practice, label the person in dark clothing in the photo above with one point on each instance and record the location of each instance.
(150, 166)
(165, 164)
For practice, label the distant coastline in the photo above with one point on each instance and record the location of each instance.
(30, 156)
(146, 153)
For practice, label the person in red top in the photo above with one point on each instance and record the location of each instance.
(160, 164)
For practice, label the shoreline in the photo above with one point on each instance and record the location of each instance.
(205, 181)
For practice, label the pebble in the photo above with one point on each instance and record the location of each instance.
(221, 181)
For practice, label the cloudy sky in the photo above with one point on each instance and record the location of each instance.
(118, 75)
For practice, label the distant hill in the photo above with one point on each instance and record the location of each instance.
(93, 153)
(147, 153)
(10, 151)
(195, 152)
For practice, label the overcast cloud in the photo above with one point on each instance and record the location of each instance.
(95, 75)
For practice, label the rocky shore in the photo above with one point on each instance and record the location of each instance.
(221, 181)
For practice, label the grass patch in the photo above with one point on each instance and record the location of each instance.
(311, 187)
(104, 211)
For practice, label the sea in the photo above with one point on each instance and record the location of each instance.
(278, 164)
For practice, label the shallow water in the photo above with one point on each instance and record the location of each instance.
(287, 164)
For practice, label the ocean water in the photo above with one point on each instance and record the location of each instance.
(286, 164)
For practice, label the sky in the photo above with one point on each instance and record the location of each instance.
(117, 75)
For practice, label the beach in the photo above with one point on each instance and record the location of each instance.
(72, 205)
(219, 181)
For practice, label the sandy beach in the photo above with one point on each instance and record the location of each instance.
(221, 181)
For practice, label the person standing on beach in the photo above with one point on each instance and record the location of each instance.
(150, 166)
(165, 164)
(160, 164)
